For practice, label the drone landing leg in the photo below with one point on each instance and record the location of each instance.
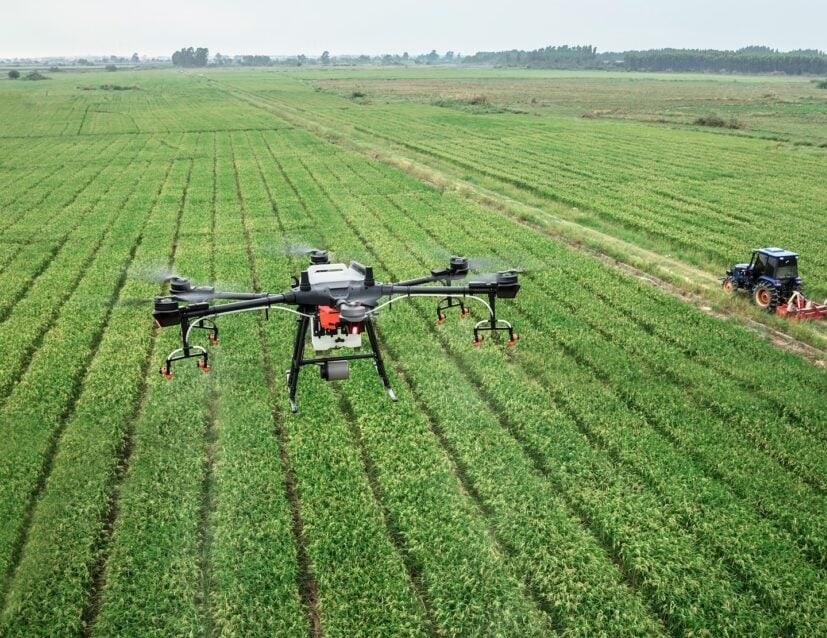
(295, 365)
(377, 357)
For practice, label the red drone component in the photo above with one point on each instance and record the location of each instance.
(328, 317)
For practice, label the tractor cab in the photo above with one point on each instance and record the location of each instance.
(771, 277)
(774, 263)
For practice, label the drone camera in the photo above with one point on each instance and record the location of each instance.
(334, 370)
(166, 312)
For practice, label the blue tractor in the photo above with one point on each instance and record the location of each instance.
(771, 278)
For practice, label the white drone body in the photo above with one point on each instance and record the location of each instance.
(328, 330)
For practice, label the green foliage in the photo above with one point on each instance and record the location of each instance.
(716, 121)
(189, 57)
(35, 76)
(110, 87)
(754, 59)
(552, 57)
(14, 74)
(626, 470)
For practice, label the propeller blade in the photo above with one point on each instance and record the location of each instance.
(195, 296)
(135, 302)
(155, 274)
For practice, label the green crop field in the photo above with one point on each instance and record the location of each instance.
(637, 465)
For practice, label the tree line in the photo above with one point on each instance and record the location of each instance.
(755, 59)
(557, 57)
(746, 60)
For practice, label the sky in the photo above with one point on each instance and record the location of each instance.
(157, 28)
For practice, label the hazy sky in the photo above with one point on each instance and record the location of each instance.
(79, 27)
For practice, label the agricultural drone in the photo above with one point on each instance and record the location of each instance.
(336, 304)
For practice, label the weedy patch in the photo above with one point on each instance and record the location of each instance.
(716, 121)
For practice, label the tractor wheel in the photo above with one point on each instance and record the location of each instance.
(729, 285)
(765, 297)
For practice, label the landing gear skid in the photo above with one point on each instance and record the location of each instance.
(494, 325)
(298, 361)
(190, 352)
(448, 303)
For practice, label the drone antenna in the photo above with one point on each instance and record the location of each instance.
(304, 282)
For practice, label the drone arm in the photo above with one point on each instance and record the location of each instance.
(418, 281)
(253, 302)
(240, 296)
(409, 290)
(446, 274)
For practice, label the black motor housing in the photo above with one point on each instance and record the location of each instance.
(507, 284)
(167, 311)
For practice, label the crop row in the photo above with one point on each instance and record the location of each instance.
(792, 504)
(35, 307)
(54, 195)
(34, 415)
(608, 175)
(688, 559)
(65, 543)
(528, 517)
(749, 542)
(414, 509)
(40, 237)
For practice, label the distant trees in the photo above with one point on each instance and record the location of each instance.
(325, 59)
(35, 76)
(190, 57)
(256, 60)
(14, 74)
(755, 59)
(557, 57)
(111, 67)
(135, 59)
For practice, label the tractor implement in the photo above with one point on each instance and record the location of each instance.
(800, 308)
